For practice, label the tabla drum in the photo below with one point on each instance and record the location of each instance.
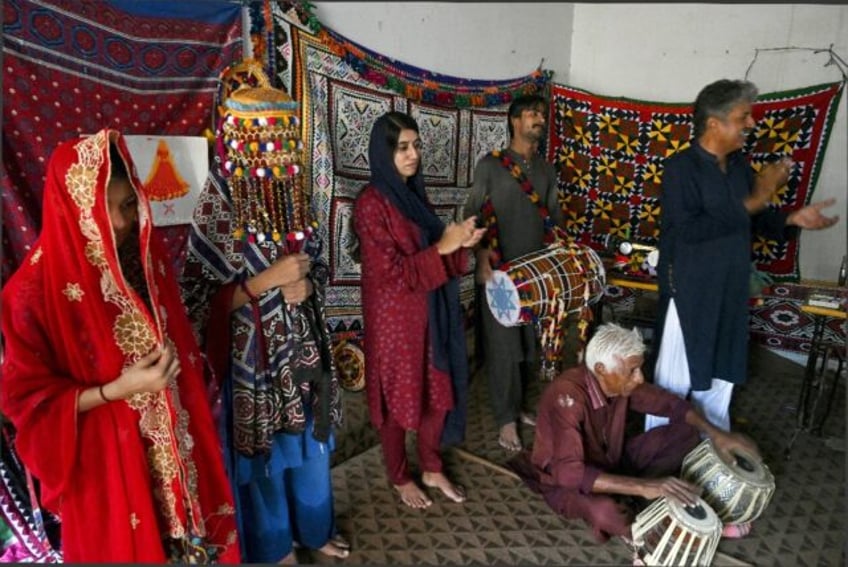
(738, 492)
(533, 286)
(670, 533)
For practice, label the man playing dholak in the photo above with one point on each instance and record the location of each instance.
(581, 462)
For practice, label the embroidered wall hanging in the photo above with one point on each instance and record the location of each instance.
(779, 323)
(71, 68)
(339, 109)
(609, 153)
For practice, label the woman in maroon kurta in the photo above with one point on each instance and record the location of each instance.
(414, 341)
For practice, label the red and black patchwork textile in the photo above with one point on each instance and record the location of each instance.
(780, 323)
(72, 68)
(609, 153)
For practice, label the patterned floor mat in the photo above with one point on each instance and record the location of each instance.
(504, 523)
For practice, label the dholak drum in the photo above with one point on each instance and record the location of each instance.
(738, 492)
(532, 286)
(669, 533)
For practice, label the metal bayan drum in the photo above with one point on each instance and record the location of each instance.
(739, 492)
(669, 533)
(563, 277)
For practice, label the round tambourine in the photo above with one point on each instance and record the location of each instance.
(350, 363)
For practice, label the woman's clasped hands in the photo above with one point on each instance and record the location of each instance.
(460, 235)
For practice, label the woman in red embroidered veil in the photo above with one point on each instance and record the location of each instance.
(103, 380)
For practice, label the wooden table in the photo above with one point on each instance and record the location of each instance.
(621, 280)
(810, 416)
(633, 283)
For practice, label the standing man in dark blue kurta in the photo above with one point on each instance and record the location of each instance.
(711, 202)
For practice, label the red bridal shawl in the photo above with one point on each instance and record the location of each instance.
(126, 475)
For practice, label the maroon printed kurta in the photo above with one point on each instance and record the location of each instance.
(397, 276)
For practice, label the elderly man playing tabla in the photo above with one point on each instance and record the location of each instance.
(581, 461)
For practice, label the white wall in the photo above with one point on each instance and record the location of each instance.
(667, 52)
(469, 40)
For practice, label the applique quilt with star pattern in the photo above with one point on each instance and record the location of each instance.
(609, 153)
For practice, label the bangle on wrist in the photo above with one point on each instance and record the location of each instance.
(102, 395)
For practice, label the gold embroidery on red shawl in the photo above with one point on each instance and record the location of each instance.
(134, 521)
(36, 256)
(81, 180)
(185, 444)
(131, 331)
(155, 425)
(73, 292)
(95, 255)
(225, 510)
(133, 334)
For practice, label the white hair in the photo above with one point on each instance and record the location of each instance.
(611, 340)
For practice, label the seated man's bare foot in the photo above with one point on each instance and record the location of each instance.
(736, 531)
(333, 549)
(412, 495)
(509, 439)
(438, 480)
(290, 559)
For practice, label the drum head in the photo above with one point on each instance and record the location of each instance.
(503, 300)
(746, 467)
(700, 518)
(751, 469)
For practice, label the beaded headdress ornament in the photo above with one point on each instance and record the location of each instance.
(260, 151)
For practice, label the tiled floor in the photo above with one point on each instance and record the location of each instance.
(504, 523)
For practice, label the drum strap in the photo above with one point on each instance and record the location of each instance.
(552, 232)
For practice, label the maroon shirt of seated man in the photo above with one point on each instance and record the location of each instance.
(580, 456)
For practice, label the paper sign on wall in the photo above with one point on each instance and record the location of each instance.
(173, 170)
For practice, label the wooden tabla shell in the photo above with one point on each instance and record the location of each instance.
(669, 533)
(530, 286)
(738, 492)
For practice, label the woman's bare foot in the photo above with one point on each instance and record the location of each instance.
(509, 439)
(340, 541)
(438, 480)
(335, 548)
(412, 495)
(528, 418)
(290, 559)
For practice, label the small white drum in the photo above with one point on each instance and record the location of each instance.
(669, 533)
(739, 492)
(533, 286)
